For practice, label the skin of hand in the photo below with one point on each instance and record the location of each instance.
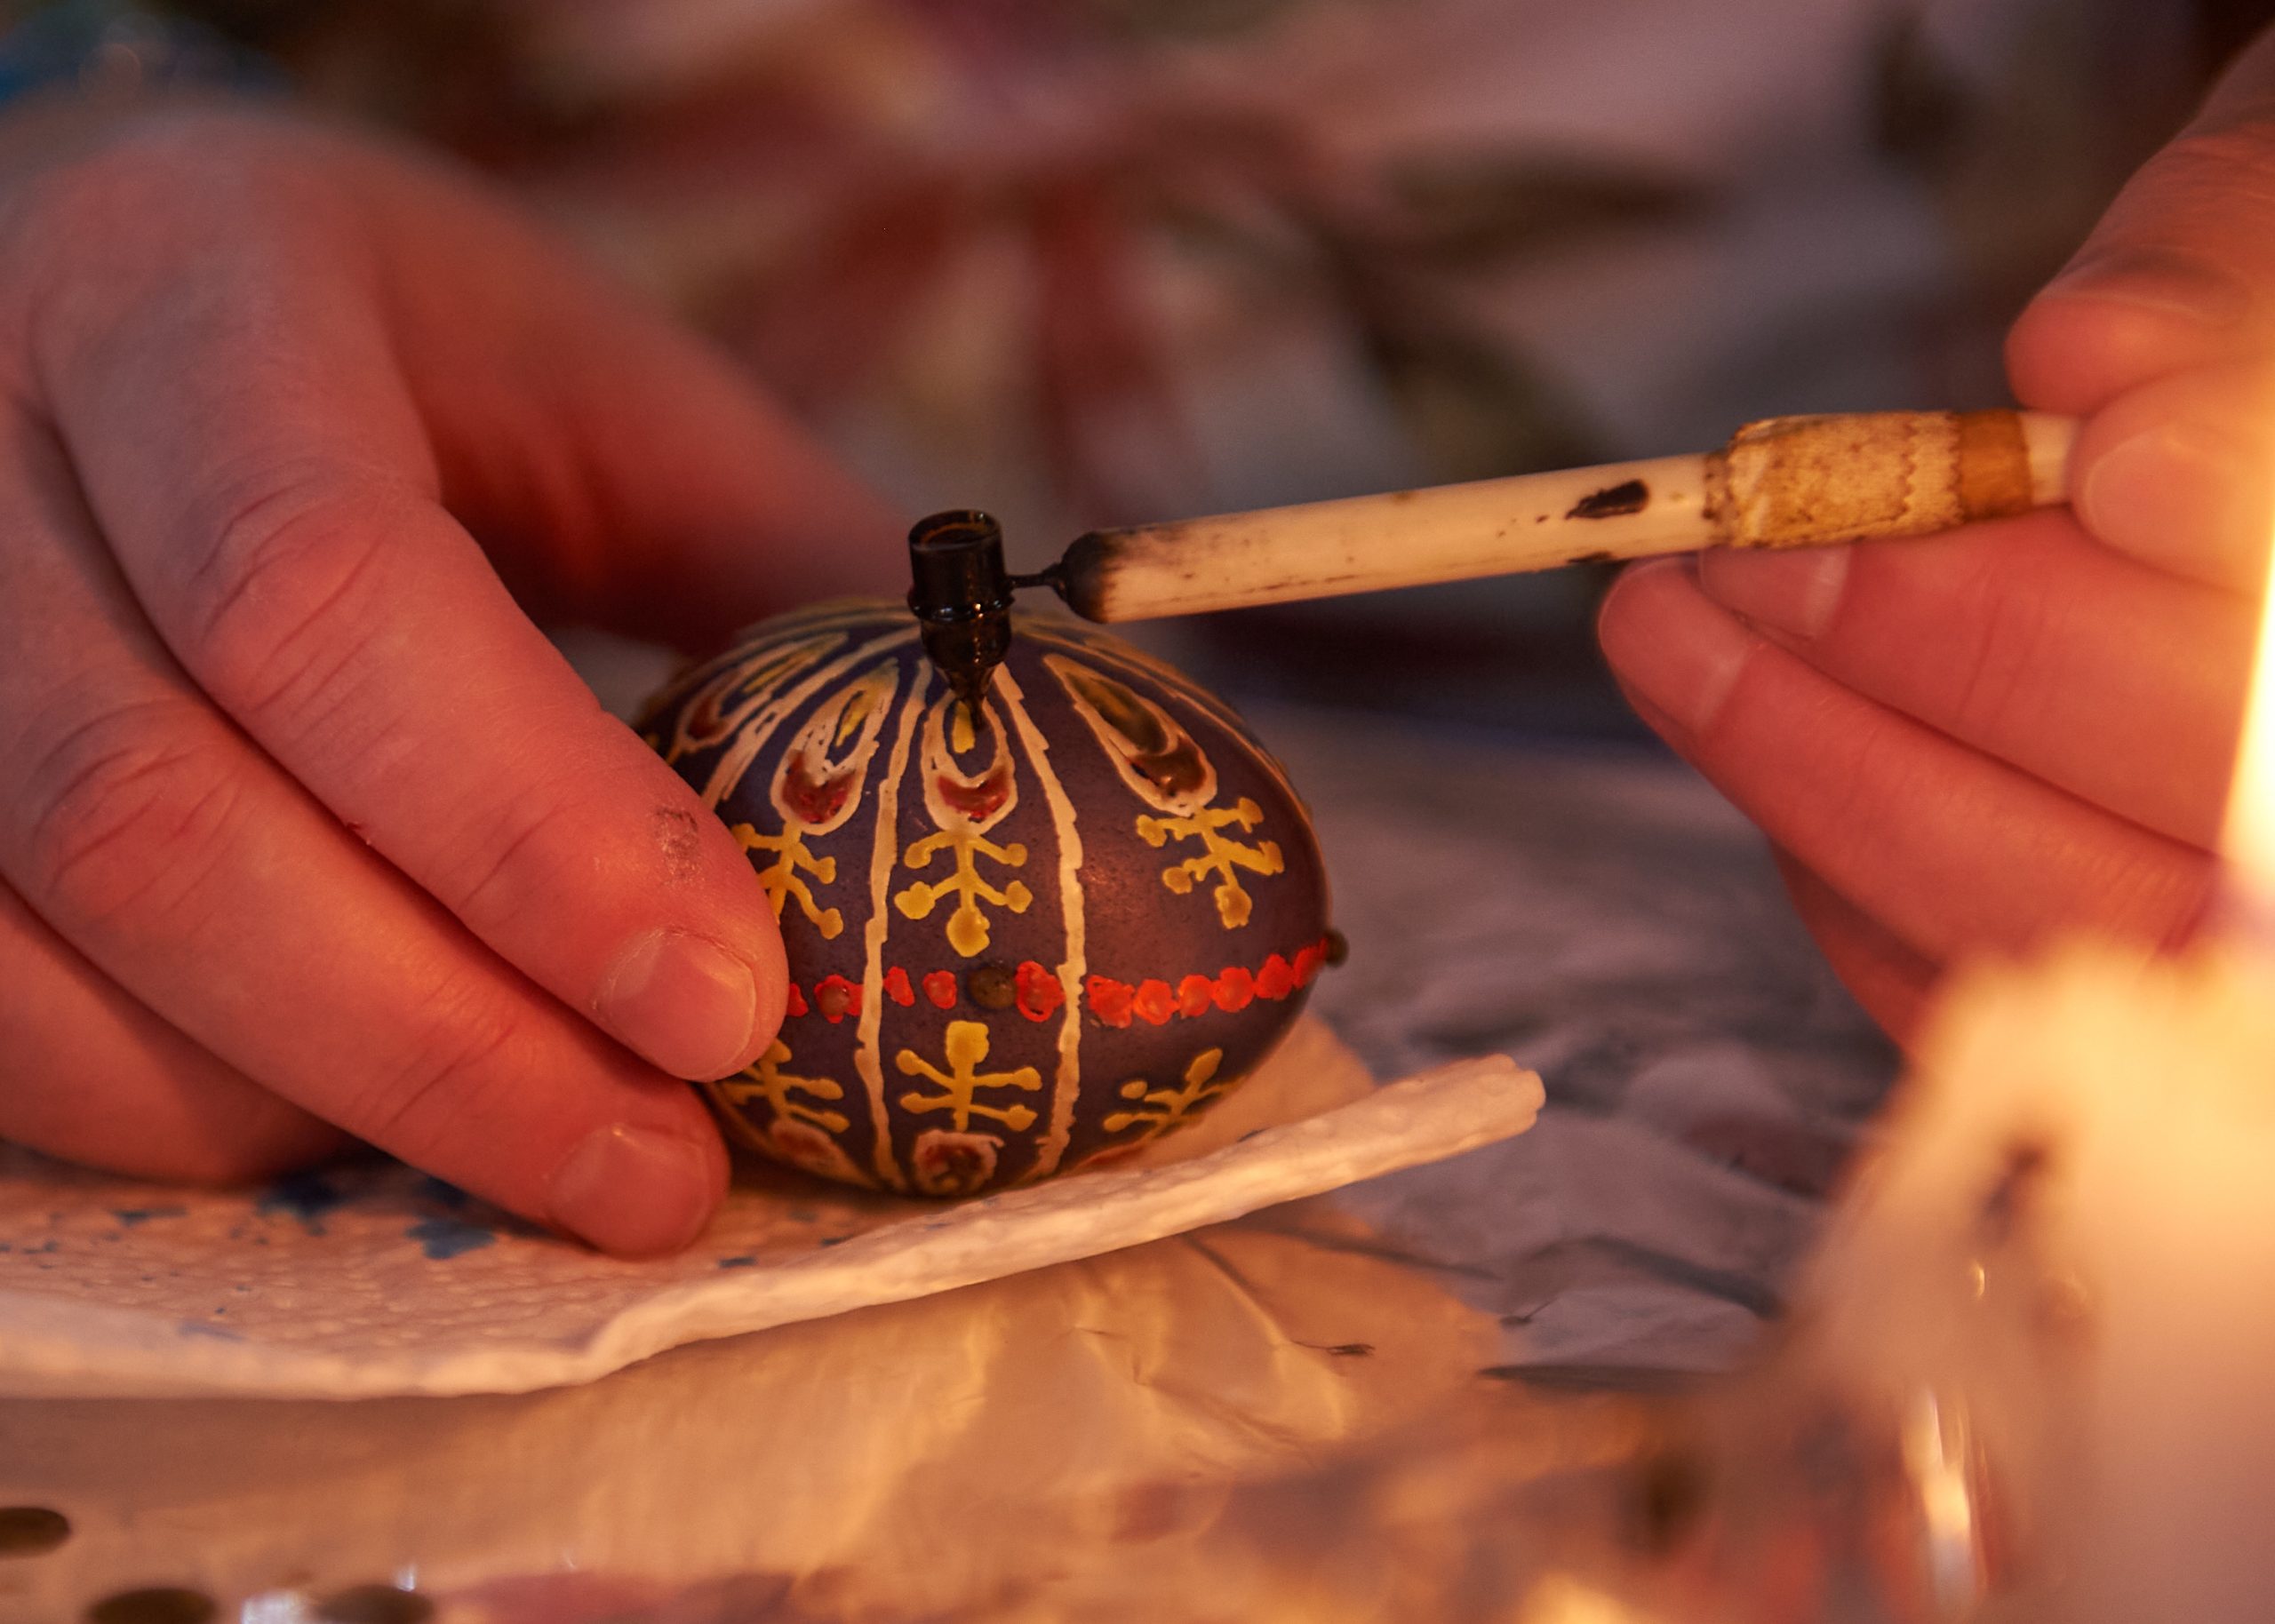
(1961, 745)
(306, 831)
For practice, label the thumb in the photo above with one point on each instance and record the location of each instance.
(2180, 273)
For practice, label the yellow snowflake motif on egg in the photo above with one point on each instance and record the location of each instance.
(964, 807)
(815, 789)
(962, 1080)
(1169, 771)
(1163, 1108)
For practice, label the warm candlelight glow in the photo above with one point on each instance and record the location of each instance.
(1561, 1599)
(1934, 1441)
(2250, 839)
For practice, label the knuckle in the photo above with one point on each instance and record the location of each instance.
(528, 861)
(1829, 797)
(455, 1068)
(279, 582)
(159, 172)
(1853, 817)
(106, 211)
(124, 810)
(124, 184)
(2001, 662)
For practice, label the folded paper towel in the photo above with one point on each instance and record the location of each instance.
(373, 1280)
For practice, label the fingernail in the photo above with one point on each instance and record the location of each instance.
(633, 1191)
(2157, 279)
(2180, 495)
(1796, 592)
(1669, 643)
(686, 1004)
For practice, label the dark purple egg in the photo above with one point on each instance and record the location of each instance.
(1017, 947)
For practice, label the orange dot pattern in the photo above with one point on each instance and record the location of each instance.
(1038, 995)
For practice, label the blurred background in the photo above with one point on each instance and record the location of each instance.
(1096, 261)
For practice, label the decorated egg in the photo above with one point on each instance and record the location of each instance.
(1023, 939)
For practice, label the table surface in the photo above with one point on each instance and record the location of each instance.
(1307, 1413)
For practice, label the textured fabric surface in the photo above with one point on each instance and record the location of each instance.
(1612, 923)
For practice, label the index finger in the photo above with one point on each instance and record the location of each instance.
(247, 442)
(2179, 273)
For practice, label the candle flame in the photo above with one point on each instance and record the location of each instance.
(2249, 841)
(1935, 1442)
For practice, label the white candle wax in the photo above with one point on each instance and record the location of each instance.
(2071, 1235)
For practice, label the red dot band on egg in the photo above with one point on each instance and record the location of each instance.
(1039, 996)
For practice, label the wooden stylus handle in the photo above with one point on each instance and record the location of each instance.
(1787, 481)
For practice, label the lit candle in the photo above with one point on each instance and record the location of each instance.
(2065, 1252)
